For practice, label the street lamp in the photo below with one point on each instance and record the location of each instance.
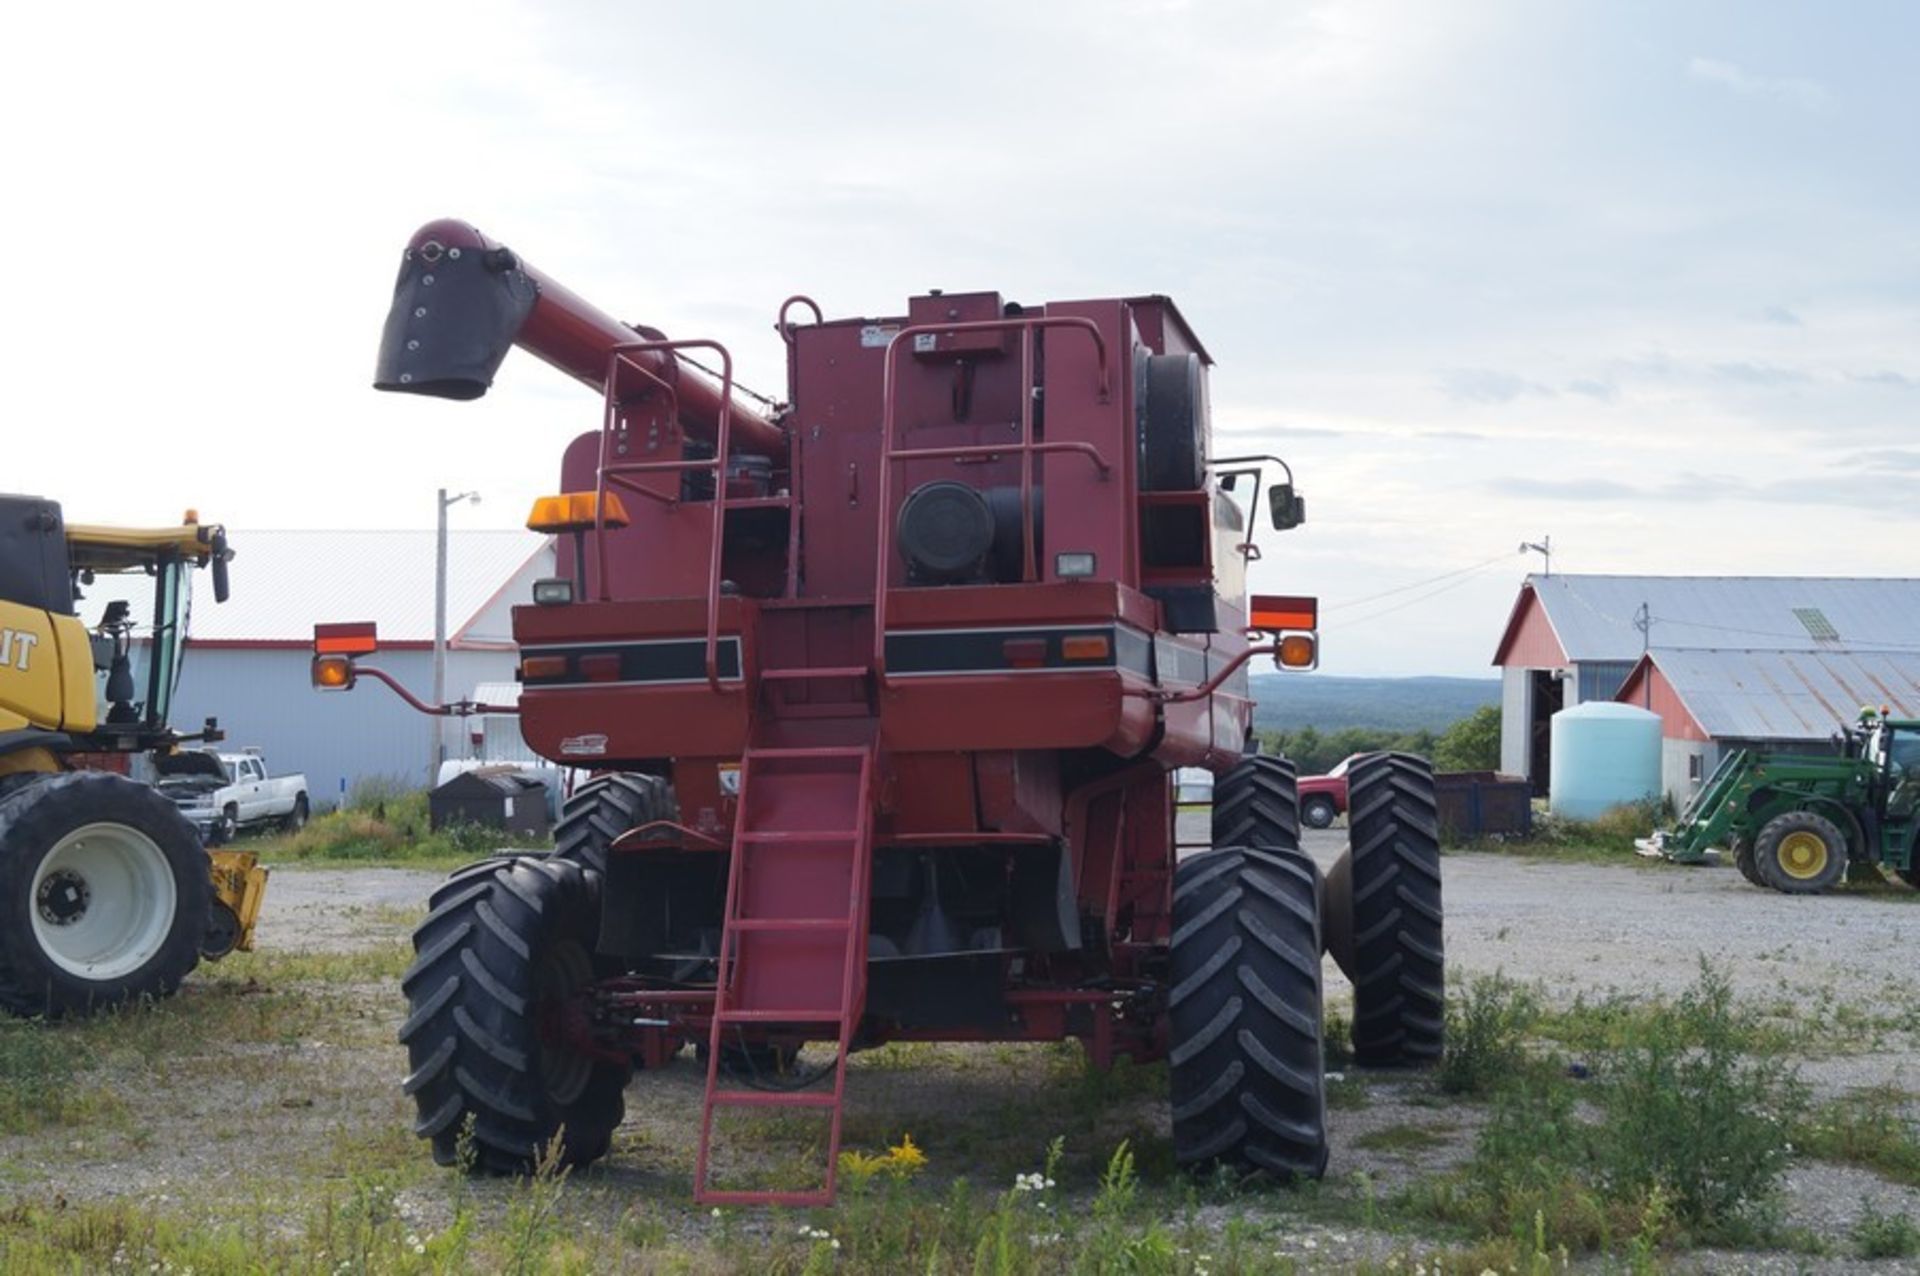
(437, 749)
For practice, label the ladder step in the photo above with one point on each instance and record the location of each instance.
(788, 923)
(800, 674)
(796, 835)
(778, 1016)
(773, 1099)
(813, 1199)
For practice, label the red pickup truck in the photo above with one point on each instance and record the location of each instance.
(1323, 798)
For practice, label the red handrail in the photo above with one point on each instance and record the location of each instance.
(1026, 325)
(612, 471)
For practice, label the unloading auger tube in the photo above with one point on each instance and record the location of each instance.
(461, 300)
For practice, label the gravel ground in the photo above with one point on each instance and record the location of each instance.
(286, 1104)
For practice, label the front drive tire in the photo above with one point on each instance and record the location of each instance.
(104, 895)
(1800, 853)
(503, 960)
(1389, 932)
(605, 807)
(1247, 1077)
(1257, 804)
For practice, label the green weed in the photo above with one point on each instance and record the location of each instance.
(1877, 1235)
(1487, 1026)
(1870, 1128)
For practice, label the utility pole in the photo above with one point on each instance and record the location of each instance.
(1643, 621)
(1544, 548)
(437, 742)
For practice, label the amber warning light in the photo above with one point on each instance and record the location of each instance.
(1293, 620)
(334, 647)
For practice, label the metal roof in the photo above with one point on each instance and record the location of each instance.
(283, 582)
(1593, 616)
(1787, 695)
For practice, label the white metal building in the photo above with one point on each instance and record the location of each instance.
(247, 660)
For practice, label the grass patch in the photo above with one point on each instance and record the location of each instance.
(1871, 1129)
(41, 1079)
(380, 828)
(1605, 840)
(1405, 1137)
(1681, 1133)
(1877, 1235)
(1487, 1027)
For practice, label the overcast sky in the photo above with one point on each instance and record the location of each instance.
(1641, 276)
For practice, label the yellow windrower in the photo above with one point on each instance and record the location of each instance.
(123, 899)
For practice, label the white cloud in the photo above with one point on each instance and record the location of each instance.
(1805, 94)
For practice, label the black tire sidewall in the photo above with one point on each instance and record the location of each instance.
(1398, 963)
(31, 982)
(568, 914)
(1314, 807)
(1220, 1025)
(1766, 852)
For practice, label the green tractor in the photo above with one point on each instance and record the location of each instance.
(1796, 821)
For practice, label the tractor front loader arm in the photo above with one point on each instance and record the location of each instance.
(1708, 819)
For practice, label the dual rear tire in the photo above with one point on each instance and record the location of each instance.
(503, 1065)
(1250, 922)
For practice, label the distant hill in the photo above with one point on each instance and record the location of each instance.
(1292, 701)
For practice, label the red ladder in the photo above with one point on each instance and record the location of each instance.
(793, 946)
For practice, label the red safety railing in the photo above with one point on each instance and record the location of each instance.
(613, 473)
(1028, 447)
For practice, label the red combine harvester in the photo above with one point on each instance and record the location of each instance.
(883, 687)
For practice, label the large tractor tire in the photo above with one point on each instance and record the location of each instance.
(1247, 1075)
(495, 1030)
(1800, 853)
(1257, 804)
(605, 807)
(1385, 922)
(104, 895)
(1744, 861)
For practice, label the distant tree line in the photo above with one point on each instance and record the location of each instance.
(1471, 744)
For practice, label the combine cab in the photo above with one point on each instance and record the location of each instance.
(884, 686)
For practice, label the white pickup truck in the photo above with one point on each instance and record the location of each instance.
(222, 793)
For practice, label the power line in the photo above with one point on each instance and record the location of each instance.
(1466, 579)
(1418, 584)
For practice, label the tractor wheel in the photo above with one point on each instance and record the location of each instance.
(1385, 922)
(104, 892)
(297, 817)
(1247, 1080)
(1318, 812)
(1800, 853)
(605, 807)
(1743, 860)
(1257, 804)
(496, 1027)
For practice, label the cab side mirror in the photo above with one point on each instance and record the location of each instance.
(1288, 507)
